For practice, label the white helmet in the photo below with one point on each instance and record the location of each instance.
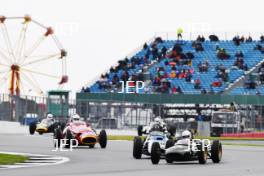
(186, 134)
(76, 118)
(49, 116)
(158, 120)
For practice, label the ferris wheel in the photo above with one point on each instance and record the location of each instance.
(31, 57)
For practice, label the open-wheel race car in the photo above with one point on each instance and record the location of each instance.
(190, 151)
(82, 133)
(45, 126)
(144, 146)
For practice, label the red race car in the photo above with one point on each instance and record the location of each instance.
(82, 132)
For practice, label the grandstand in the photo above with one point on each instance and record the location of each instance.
(201, 66)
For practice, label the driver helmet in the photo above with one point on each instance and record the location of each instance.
(158, 120)
(186, 134)
(76, 118)
(49, 116)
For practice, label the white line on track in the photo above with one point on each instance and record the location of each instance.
(35, 160)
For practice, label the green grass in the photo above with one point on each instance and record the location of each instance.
(8, 159)
(247, 145)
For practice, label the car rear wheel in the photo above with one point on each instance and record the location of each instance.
(202, 154)
(168, 160)
(155, 153)
(216, 151)
(103, 139)
(32, 128)
(137, 147)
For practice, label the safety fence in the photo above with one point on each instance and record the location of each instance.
(14, 108)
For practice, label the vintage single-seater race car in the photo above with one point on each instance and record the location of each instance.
(44, 126)
(191, 151)
(144, 146)
(82, 133)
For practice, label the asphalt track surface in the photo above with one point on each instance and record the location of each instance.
(117, 160)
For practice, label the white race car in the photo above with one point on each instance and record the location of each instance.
(191, 151)
(144, 146)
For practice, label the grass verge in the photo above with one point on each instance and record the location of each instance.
(8, 159)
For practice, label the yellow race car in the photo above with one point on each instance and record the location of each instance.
(44, 126)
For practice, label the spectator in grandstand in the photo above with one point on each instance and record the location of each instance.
(217, 83)
(222, 54)
(249, 39)
(163, 51)
(203, 66)
(115, 79)
(224, 76)
(200, 38)
(239, 54)
(189, 55)
(173, 74)
(220, 67)
(197, 83)
(237, 40)
(239, 63)
(188, 76)
(261, 73)
(213, 38)
(145, 46)
(250, 84)
(262, 38)
(156, 81)
(260, 48)
(197, 46)
(179, 33)
(125, 76)
(203, 91)
(154, 51)
(174, 90)
(179, 89)
(158, 40)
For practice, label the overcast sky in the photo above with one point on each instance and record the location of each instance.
(98, 33)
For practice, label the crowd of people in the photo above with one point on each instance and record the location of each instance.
(180, 65)
(239, 63)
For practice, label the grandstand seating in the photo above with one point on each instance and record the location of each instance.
(251, 57)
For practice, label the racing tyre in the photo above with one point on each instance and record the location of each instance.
(57, 136)
(32, 128)
(102, 139)
(139, 129)
(216, 151)
(202, 154)
(69, 137)
(137, 147)
(155, 153)
(168, 160)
